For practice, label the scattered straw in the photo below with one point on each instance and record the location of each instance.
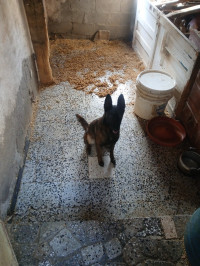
(95, 67)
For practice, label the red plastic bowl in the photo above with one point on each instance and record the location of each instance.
(165, 131)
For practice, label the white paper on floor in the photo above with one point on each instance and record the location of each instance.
(97, 171)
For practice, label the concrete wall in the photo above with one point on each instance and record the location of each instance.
(18, 85)
(82, 18)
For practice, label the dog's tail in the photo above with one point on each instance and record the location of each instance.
(83, 122)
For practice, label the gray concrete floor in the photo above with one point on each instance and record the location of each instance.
(71, 211)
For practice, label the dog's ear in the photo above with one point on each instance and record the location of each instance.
(121, 103)
(108, 103)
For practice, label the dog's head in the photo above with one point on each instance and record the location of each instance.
(114, 113)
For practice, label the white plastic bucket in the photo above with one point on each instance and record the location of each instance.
(154, 89)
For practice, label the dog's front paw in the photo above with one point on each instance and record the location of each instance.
(101, 163)
(113, 162)
(88, 149)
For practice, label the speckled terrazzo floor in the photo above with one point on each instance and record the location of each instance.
(60, 184)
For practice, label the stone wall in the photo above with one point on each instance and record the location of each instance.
(82, 18)
(18, 87)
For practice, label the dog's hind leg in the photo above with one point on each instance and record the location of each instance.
(112, 158)
(88, 146)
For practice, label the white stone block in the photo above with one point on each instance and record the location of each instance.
(97, 171)
(168, 227)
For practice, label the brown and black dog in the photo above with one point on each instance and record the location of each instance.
(104, 131)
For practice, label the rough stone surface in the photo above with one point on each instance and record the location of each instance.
(73, 214)
(64, 243)
(137, 250)
(129, 189)
(83, 29)
(87, 232)
(108, 6)
(47, 230)
(81, 19)
(95, 243)
(92, 254)
(113, 248)
(25, 233)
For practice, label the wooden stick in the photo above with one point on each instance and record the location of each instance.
(184, 12)
(167, 3)
(170, 3)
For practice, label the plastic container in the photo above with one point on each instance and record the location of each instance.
(154, 89)
(165, 131)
